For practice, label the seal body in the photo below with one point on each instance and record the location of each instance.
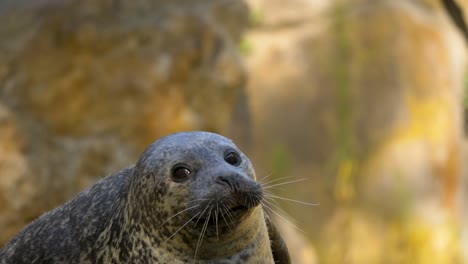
(191, 198)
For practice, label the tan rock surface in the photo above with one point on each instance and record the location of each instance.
(364, 98)
(86, 85)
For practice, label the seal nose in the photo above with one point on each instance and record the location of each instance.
(230, 181)
(236, 183)
(243, 192)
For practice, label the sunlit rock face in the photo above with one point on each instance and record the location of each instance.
(365, 100)
(86, 85)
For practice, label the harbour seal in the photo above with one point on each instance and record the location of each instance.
(192, 197)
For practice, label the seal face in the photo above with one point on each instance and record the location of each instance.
(191, 198)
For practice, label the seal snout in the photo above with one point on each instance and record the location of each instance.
(231, 198)
(242, 193)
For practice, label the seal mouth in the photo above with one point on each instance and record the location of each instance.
(238, 208)
(238, 211)
(227, 207)
(226, 217)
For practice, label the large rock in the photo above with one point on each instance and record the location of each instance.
(364, 98)
(86, 85)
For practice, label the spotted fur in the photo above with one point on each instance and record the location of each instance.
(141, 215)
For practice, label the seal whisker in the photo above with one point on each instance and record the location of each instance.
(202, 233)
(274, 180)
(289, 199)
(265, 186)
(202, 213)
(196, 200)
(267, 176)
(273, 204)
(181, 227)
(186, 209)
(228, 214)
(216, 220)
(259, 199)
(282, 217)
(222, 214)
(285, 216)
(254, 200)
(267, 211)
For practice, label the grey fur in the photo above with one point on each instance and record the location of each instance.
(138, 215)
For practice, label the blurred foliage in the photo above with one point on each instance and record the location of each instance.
(256, 18)
(245, 47)
(280, 161)
(345, 148)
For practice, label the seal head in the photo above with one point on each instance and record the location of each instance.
(210, 204)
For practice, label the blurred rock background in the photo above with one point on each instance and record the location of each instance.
(363, 98)
(87, 85)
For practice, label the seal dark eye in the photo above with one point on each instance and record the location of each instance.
(232, 158)
(180, 173)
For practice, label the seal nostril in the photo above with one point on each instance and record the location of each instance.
(225, 181)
